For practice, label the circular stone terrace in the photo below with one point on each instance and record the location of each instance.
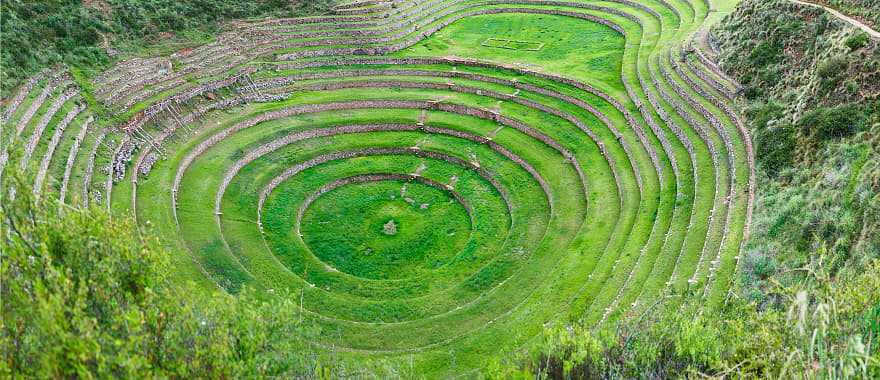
(434, 181)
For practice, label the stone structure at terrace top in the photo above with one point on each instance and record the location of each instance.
(390, 228)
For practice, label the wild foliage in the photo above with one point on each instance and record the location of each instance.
(815, 128)
(84, 295)
(821, 328)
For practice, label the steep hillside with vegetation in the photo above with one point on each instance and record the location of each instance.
(84, 296)
(811, 92)
(39, 34)
(867, 11)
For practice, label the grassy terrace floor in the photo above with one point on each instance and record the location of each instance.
(434, 187)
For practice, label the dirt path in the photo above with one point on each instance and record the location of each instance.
(858, 24)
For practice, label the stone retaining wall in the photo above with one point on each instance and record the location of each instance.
(71, 157)
(44, 122)
(21, 94)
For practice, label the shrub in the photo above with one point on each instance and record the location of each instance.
(770, 75)
(852, 87)
(857, 41)
(760, 114)
(774, 143)
(830, 72)
(825, 123)
(775, 148)
(765, 53)
(84, 296)
(832, 67)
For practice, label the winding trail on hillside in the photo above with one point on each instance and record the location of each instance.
(858, 24)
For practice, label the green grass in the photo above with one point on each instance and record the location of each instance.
(505, 43)
(571, 47)
(387, 233)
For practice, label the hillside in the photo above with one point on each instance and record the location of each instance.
(812, 95)
(440, 188)
(93, 33)
(866, 11)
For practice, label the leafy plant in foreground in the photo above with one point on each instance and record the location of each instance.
(84, 296)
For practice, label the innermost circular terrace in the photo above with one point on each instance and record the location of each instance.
(386, 229)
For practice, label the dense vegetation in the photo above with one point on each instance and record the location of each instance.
(39, 34)
(83, 296)
(823, 327)
(812, 96)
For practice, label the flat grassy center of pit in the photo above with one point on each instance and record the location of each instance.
(387, 229)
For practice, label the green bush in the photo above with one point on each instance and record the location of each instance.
(84, 296)
(830, 72)
(770, 75)
(857, 41)
(852, 87)
(775, 149)
(760, 114)
(832, 67)
(765, 53)
(825, 123)
(775, 143)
